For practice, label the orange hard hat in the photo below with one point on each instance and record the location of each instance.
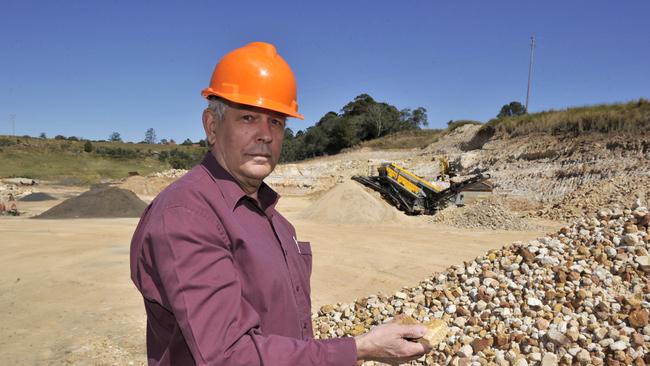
(255, 75)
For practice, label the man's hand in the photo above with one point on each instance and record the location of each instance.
(389, 343)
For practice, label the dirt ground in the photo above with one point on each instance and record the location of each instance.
(66, 296)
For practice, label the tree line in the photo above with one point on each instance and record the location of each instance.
(360, 120)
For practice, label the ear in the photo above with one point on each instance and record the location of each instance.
(210, 126)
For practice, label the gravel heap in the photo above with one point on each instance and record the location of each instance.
(487, 214)
(171, 173)
(14, 190)
(579, 296)
(586, 200)
(98, 202)
(36, 197)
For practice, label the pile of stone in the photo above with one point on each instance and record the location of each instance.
(171, 173)
(10, 191)
(98, 202)
(485, 214)
(586, 200)
(579, 296)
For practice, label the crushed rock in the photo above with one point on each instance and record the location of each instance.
(489, 213)
(171, 173)
(98, 202)
(578, 296)
(36, 197)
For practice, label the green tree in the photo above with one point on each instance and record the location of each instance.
(341, 136)
(315, 141)
(88, 147)
(358, 106)
(361, 119)
(59, 137)
(187, 142)
(150, 136)
(512, 109)
(115, 137)
(289, 146)
(42, 136)
(415, 119)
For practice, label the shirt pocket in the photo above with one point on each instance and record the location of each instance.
(304, 249)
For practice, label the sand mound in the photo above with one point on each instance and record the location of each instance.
(350, 203)
(488, 214)
(37, 197)
(146, 187)
(98, 202)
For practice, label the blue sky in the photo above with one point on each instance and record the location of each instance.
(88, 68)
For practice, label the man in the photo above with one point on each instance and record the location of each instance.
(225, 279)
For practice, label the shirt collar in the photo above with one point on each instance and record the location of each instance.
(232, 191)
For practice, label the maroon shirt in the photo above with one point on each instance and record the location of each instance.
(224, 280)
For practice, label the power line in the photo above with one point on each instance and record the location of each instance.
(530, 69)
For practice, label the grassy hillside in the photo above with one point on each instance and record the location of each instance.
(67, 161)
(632, 117)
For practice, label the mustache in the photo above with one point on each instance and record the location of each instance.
(262, 149)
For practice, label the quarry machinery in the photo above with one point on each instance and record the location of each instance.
(413, 194)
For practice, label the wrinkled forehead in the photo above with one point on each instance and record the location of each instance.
(243, 108)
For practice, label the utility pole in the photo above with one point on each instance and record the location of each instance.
(530, 69)
(12, 118)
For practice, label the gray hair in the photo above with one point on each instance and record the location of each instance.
(218, 107)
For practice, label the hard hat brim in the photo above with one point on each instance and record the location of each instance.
(254, 102)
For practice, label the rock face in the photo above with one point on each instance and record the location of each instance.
(546, 167)
(560, 177)
(579, 296)
(599, 198)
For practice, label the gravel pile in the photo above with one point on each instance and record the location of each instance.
(37, 197)
(587, 199)
(485, 214)
(580, 296)
(98, 202)
(171, 173)
(13, 190)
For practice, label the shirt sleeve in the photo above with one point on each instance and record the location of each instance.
(192, 256)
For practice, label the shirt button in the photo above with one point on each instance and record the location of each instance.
(304, 325)
(297, 288)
